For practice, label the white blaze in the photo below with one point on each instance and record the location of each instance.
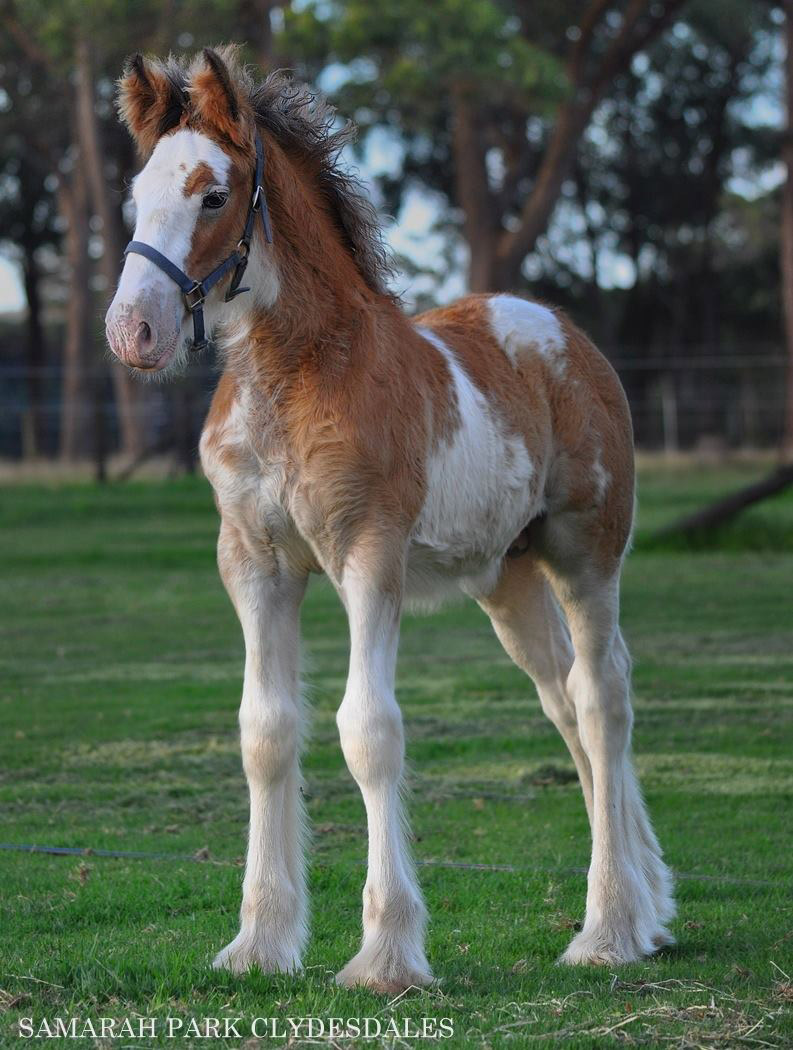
(165, 218)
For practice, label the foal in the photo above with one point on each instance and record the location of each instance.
(484, 447)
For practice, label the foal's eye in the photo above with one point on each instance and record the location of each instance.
(215, 199)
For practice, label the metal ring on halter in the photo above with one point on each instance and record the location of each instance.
(193, 304)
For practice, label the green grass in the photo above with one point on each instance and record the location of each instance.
(120, 672)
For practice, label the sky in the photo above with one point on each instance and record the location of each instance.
(12, 296)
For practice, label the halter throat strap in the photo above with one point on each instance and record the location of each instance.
(196, 291)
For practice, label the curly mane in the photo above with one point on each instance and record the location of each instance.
(302, 122)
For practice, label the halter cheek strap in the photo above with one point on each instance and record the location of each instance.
(195, 292)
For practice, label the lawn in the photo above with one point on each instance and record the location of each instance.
(120, 673)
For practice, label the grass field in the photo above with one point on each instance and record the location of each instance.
(120, 672)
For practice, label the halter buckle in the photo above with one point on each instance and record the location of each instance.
(194, 296)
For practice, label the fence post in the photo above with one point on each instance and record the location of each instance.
(100, 430)
(669, 412)
(183, 426)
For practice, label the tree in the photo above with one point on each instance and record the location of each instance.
(490, 98)
(72, 53)
(78, 351)
(786, 238)
(27, 219)
(51, 40)
(130, 394)
(679, 121)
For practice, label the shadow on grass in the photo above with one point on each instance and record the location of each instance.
(752, 532)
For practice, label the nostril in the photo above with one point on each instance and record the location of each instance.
(143, 335)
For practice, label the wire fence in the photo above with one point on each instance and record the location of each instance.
(700, 401)
(203, 856)
(681, 402)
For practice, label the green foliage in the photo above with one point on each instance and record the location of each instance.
(654, 178)
(651, 179)
(419, 50)
(116, 28)
(402, 61)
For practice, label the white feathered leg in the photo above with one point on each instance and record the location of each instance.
(273, 914)
(628, 895)
(391, 957)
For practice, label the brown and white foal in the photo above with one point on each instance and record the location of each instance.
(405, 459)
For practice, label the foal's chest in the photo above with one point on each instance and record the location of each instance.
(252, 481)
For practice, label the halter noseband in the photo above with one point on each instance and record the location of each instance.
(195, 292)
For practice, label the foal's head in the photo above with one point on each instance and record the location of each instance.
(196, 128)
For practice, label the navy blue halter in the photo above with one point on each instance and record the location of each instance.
(195, 292)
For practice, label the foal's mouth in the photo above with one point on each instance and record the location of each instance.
(156, 365)
(149, 366)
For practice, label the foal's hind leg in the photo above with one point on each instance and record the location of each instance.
(644, 844)
(527, 620)
(628, 897)
(530, 626)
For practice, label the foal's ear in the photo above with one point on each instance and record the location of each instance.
(217, 95)
(149, 102)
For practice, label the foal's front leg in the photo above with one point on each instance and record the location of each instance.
(391, 957)
(273, 914)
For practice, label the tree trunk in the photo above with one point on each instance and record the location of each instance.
(73, 203)
(473, 192)
(724, 510)
(33, 433)
(786, 235)
(184, 439)
(556, 163)
(130, 395)
(255, 28)
(497, 255)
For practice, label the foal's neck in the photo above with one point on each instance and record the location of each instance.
(324, 316)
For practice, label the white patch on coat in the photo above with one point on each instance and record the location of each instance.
(519, 325)
(254, 493)
(480, 494)
(601, 476)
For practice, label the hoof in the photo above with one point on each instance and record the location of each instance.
(245, 952)
(606, 948)
(663, 938)
(390, 986)
(384, 975)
